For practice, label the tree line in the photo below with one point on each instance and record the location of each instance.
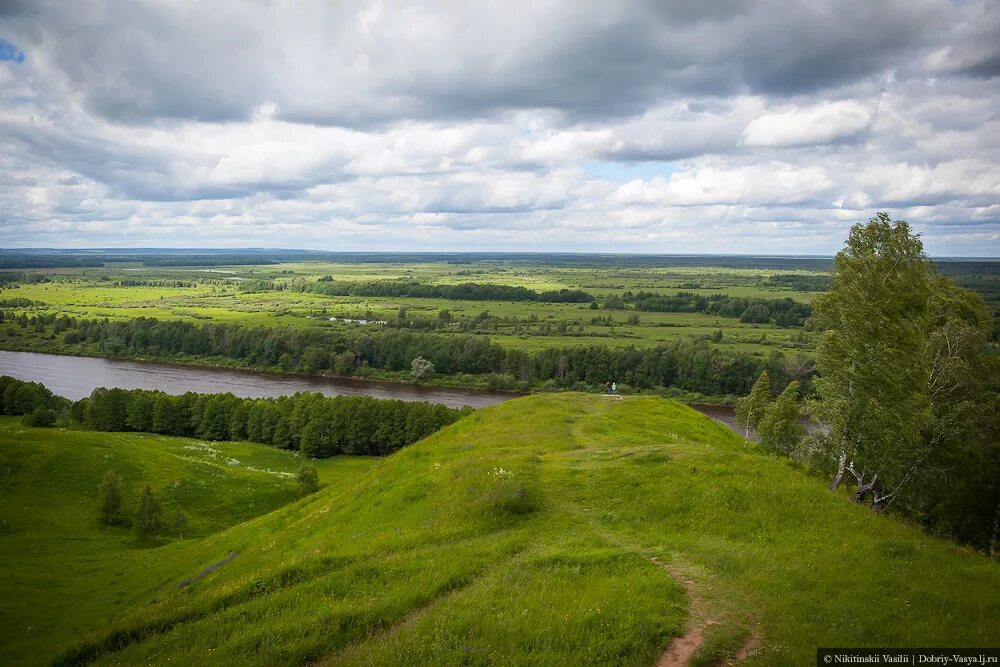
(460, 292)
(317, 425)
(314, 424)
(688, 364)
(780, 312)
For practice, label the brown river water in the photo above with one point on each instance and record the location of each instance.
(76, 377)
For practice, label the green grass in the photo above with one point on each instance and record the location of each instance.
(523, 535)
(66, 574)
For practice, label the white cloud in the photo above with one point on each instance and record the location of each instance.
(774, 184)
(809, 125)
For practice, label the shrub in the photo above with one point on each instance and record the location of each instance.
(308, 480)
(40, 416)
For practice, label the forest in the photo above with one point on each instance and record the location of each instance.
(314, 424)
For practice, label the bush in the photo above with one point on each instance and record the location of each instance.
(308, 480)
(40, 416)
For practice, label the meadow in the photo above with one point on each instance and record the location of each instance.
(65, 573)
(552, 529)
(216, 295)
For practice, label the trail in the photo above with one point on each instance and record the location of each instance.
(680, 651)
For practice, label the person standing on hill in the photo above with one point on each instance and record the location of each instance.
(614, 388)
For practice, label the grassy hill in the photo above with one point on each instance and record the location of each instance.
(555, 529)
(65, 574)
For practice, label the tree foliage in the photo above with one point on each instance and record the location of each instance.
(148, 521)
(903, 372)
(421, 369)
(110, 494)
(750, 409)
(780, 428)
(691, 365)
(318, 425)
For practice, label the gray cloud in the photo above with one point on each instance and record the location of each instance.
(642, 125)
(360, 63)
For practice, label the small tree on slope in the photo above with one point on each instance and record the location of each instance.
(779, 429)
(110, 493)
(148, 519)
(750, 409)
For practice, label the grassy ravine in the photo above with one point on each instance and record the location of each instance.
(65, 574)
(523, 535)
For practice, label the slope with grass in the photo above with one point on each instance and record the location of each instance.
(65, 574)
(561, 529)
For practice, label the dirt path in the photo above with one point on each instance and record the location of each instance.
(681, 649)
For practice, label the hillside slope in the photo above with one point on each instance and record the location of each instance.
(65, 574)
(545, 531)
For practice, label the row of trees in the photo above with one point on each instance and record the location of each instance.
(317, 425)
(459, 292)
(908, 391)
(780, 312)
(688, 364)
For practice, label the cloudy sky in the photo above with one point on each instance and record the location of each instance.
(668, 127)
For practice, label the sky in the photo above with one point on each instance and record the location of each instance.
(715, 126)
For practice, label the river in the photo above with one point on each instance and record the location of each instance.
(77, 377)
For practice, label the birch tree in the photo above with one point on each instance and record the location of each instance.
(780, 429)
(895, 357)
(750, 409)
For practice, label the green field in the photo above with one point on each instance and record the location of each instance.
(553, 529)
(66, 574)
(215, 295)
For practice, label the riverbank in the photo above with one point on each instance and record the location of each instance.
(462, 382)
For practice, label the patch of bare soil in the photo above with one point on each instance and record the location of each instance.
(680, 651)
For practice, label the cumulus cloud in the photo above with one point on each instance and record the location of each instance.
(804, 126)
(714, 127)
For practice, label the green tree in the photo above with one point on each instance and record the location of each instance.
(343, 363)
(308, 480)
(110, 494)
(780, 429)
(750, 409)
(896, 358)
(148, 520)
(180, 522)
(421, 369)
